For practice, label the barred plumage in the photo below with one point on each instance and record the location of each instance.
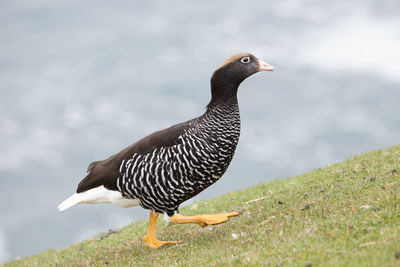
(164, 178)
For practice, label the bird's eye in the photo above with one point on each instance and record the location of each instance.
(245, 60)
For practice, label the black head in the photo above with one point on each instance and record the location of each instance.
(227, 78)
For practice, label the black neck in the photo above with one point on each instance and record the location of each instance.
(223, 88)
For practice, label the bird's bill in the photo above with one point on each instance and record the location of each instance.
(263, 66)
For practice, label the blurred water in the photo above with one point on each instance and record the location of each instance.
(80, 80)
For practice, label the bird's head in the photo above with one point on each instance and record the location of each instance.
(227, 78)
(244, 65)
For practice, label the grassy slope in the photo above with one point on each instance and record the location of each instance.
(345, 214)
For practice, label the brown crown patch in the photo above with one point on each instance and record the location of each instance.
(234, 58)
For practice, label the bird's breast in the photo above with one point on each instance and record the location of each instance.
(170, 175)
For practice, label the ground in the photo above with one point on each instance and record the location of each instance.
(347, 214)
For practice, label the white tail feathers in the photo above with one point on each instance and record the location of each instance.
(69, 202)
(98, 195)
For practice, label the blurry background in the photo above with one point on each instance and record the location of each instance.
(80, 80)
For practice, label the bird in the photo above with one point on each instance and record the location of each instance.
(170, 166)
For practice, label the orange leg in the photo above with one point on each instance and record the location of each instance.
(150, 238)
(204, 219)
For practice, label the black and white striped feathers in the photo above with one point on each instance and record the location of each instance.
(167, 176)
(164, 169)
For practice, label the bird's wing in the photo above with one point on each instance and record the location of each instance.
(106, 172)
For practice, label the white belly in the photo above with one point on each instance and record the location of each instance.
(98, 195)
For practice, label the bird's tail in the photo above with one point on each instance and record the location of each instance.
(69, 202)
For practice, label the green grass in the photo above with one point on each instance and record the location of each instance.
(347, 214)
